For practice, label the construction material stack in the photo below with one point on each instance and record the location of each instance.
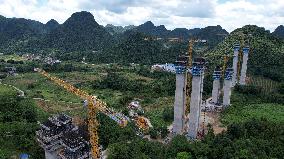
(180, 95)
(196, 97)
(244, 66)
(235, 64)
(227, 86)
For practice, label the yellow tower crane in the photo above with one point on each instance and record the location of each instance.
(188, 76)
(225, 61)
(94, 105)
(242, 36)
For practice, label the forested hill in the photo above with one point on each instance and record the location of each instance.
(265, 57)
(117, 29)
(16, 31)
(80, 35)
(214, 34)
(80, 32)
(135, 49)
(51, 25)
(149, 28)
(279, 32)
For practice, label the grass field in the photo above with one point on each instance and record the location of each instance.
(7, 90)
(36, 86)
(56, 99)
(266, 84)
(11, 57)
(155, 110)
(241, 113)
(245, 107)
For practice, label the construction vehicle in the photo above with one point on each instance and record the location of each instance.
(94, 105)
(142, 123)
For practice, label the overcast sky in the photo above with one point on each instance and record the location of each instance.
(230, 14)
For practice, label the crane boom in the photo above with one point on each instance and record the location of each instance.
(94, 105)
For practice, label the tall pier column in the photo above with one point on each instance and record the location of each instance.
(227, 87)
(180, 96)
(244, 66)
(196, 99)
(216, 85)
(235, 65)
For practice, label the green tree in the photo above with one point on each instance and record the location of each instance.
(168, 114)
(183, 155)
(18, 118)
(164, 131)
(153, 133)
(178, 144)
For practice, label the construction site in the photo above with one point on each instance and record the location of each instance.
(141, 79)
(62, 139)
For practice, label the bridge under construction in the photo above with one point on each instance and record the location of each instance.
(60, 138)
(189, 85)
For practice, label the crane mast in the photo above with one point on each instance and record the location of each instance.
(94, 105)
(188, 76)
(226, 58)
(240, 55)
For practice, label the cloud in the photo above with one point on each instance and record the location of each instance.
(230, 14)
(237, 13)
(116, 6)
(133, 15)
(196, 8)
